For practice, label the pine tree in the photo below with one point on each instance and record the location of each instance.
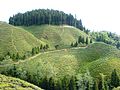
(33, 51)
(13, 57)
(51, 84)
(76, 44)
(17, 56)
(44, 47)
(65, 83)
(91, 40)
(9, 54)
(44, 83)
(103, 81)
(87, 41)
(72, 44)
(82, 40)
(115, 82)
(24, 57)
(79, 39)
(41, 47)
(95, 85)
(47, 46)
(72, 84)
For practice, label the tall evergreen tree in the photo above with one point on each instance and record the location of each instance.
(91, 40)
(87, 40)
(72, 83)
(51, 84)
(44, 16)
(17, 56)
(115, 82)
(33, 51)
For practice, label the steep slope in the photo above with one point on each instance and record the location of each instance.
(97, 58)
(104, 65)
(14, 39)
(10, 83)
(68, 61)
(56, 35)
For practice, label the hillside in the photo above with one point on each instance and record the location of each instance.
(56, 35)
(69, 61)
(97, 58)
(14, 39)
(10, 83)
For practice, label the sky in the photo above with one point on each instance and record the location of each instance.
(96, 15)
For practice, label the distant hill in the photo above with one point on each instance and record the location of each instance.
(56, 35)
(10, 83)
(14, 39)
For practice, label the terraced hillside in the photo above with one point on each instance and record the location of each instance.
(69, 62)
(10, 83)
(14, 39)
(56, 35)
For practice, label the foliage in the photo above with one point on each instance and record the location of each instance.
(115, 82)
(42, 16)
(56, 35)
(15, 40)
(107, 37)
(10, 83)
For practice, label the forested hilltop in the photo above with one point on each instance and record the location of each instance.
(45, 16)
(55, 17)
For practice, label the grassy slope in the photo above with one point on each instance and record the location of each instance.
(14, 39)
(69, 61)
(10, 83)
(56, 35)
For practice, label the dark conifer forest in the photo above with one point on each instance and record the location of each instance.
(44, 16)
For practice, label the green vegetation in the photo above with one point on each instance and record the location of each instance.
(42, 49)
(67, 62)
(42, 16)
(56, 35)
(10, 83)
(14, 40)
(106, 37)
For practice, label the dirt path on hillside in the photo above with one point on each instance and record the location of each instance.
(31, 58)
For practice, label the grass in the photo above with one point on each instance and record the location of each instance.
(10, 83)
(56, 35)
(68, 62)
(14, 39)
(97, 57)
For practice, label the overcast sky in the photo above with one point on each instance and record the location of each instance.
(96, 14)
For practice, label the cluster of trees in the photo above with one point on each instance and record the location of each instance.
(37, 50)
(82, 40)
(45, 16)
(107, 37)
(13, 56)
(80, 82)
(17, 56)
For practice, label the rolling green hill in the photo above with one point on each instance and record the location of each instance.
(69, 62)
(96, 57)
(56, 35)
(10, 83)
(104, 65)
(14, 39)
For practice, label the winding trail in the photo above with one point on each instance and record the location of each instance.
(31, 58)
